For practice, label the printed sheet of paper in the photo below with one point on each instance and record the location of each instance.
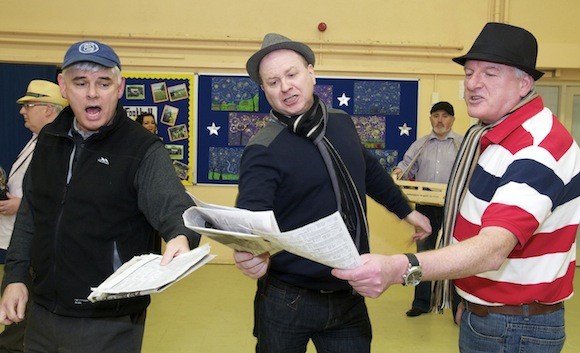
(144, 274)
(326, 241)
(251, 243)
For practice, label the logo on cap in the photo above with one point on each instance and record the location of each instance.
(88, 48)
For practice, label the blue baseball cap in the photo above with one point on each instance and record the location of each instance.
(91, 51)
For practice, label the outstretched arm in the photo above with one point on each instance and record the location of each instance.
(485, 252)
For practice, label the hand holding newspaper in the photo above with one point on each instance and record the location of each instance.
(144, 275)
(326, 241)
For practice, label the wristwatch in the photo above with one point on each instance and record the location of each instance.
(414, 273)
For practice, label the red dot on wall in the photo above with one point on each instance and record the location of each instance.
(322, 26)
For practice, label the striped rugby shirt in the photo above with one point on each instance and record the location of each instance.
(527, 181)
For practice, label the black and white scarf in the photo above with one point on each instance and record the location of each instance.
(312, 125)
(461, 174)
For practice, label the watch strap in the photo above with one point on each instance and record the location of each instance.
(413, 261)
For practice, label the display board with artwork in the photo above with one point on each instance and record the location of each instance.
(169, 99)
(231, 109)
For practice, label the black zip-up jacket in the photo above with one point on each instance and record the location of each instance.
(122, 182)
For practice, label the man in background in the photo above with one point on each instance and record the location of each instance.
(511, 212)
(97, 188)
(40, 106)
(430, 159)
(305, 164)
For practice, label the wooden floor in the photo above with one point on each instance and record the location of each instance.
(210, 311)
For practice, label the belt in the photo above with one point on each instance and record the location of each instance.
(274, 281)
(530, 309)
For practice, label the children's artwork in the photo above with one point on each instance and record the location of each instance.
(232, 109)
(233, 94)
(168, 98)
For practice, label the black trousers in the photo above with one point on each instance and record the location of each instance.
(422, 299)
(50, 333)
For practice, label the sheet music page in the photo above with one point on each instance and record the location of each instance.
(234, 220)
(326, 241)
(144, 274)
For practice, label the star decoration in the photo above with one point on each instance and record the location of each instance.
(213, 129)
(404, 129)
(343, 100)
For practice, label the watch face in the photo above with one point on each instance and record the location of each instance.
(413, 277)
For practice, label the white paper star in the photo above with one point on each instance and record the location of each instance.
(343, 100)
(404, 129)
(213, 129)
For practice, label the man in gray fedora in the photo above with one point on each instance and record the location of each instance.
(305, 164)
(511, 211)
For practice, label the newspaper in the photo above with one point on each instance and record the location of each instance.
(143, 275)
(326, 241)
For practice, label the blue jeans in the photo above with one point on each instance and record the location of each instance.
(512, 334)
(287, 317)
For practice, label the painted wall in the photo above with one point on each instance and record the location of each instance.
(366, 38)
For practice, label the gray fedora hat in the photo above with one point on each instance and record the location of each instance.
(505, 44)
(272, 42)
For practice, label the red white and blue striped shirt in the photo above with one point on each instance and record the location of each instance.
(527, 181)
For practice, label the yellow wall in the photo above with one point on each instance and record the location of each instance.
(366, 38)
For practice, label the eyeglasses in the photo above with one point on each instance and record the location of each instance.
(30, 105)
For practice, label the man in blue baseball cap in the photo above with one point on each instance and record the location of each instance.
(90, 203)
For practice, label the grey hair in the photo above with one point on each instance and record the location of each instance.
(94, 67)
(57, 107)
(521, 74)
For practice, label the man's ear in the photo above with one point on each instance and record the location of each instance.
(62, 85)
(526, 85)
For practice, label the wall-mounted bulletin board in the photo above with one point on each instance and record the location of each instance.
(231, 109)
(169, 97)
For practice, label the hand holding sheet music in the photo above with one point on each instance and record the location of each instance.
(326, 241)
(144, 275)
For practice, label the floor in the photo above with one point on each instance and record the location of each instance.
(210, 311)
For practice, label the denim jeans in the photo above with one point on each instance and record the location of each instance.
(287, 317)
(499, 333)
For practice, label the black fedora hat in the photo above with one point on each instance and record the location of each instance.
(272, 42)
(505, 44)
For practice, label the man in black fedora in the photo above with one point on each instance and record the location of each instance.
(305, 164)
(512, 209)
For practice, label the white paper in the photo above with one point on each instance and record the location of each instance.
(144, 274)
(326, 241)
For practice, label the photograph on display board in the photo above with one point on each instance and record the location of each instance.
(178, 132)
(169, 115)
(135, 92)
(159, 92)
(231, 109)
(177, 92)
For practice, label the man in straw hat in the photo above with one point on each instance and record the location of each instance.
(511, 216)
(305, 164)
(40, 106)
(91, 201)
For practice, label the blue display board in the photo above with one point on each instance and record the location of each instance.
(169, 98)
(231, 109)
